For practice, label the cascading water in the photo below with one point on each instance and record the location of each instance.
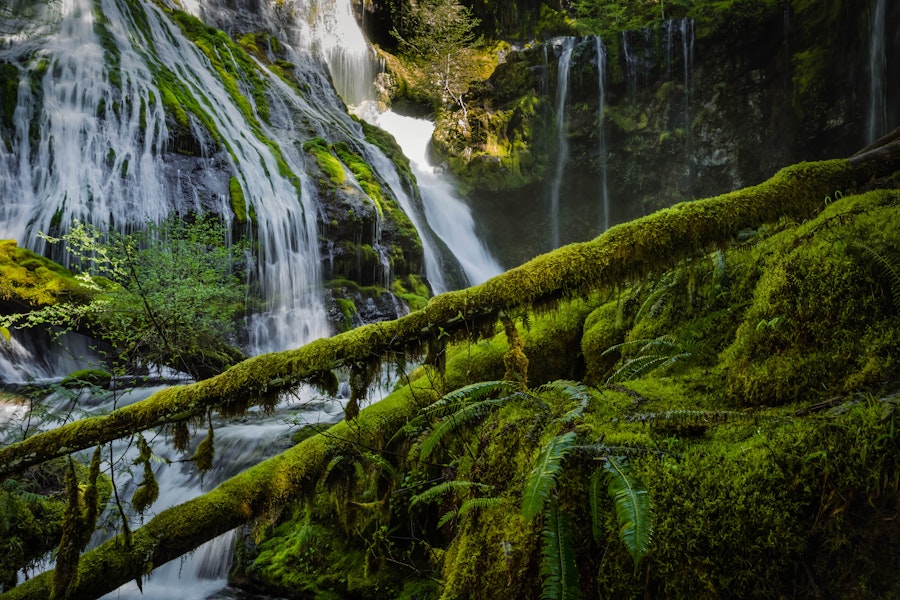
(876, 118)
(448, 216)
(631, 65)
(687, 47)
(95, 77)
(601, 135)
(102, 133)
(562, 144)
(685, 29)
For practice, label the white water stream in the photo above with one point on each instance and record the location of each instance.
(562, 140)
(601, 133)
(876, 117)
(447, 215)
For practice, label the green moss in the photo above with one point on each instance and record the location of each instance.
(500, 152)
(412, 290)
(328, 163)
(348, 311)
(32, 280)
(238, 202)
(811, 326)
(240, 68)
(627, 118)
(363, 174)
(32, 515)
(87, 377)
(809, 67)
(802, 453)
(602, 329)
(386, 142)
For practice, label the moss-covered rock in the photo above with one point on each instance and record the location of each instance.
(28, 280)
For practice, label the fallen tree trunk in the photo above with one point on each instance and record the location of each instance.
(622, 254)
(178, 530)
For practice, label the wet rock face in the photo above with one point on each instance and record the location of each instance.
(688, 113)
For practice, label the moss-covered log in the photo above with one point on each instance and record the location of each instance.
(625, 252)
(180, 529)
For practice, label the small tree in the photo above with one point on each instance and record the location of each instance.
(438, 35)
(170, 294)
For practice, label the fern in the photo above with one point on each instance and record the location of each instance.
(543, 476)
(329, 468)
(558, 568)
(890, 270)
(435, 492)
(572, 391)
(701, 417)
(477, 504)
(469, 394)
(634, 510)
(18, 490)
(448, 424)
(446, 518)
(467, 507)
(653, 354)
(384, 464)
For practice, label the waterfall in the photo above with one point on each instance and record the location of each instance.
(876, 118)
(100, 154)
(631, 64)
(687, 53)
(684, 28)
(447, 215)
(601, 135)
(562, 146)
(90, 141)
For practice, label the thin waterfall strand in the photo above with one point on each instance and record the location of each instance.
(877, 114)
(601, 134)
(562, 146)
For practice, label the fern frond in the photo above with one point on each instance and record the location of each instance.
(700, 417)
(329, 468)
(604, 450)
(656, 297)
(469, 394)
(446, 518)
(653, 354)
(476, 504)
(410, 429)
(543, 476)
(451, 422)
(18, 490)
(572, 391)
(634, 510)
(558, 568)
(890, 270)
(435, 492)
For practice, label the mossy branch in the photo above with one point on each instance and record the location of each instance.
(622, 254)
(180, 529)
